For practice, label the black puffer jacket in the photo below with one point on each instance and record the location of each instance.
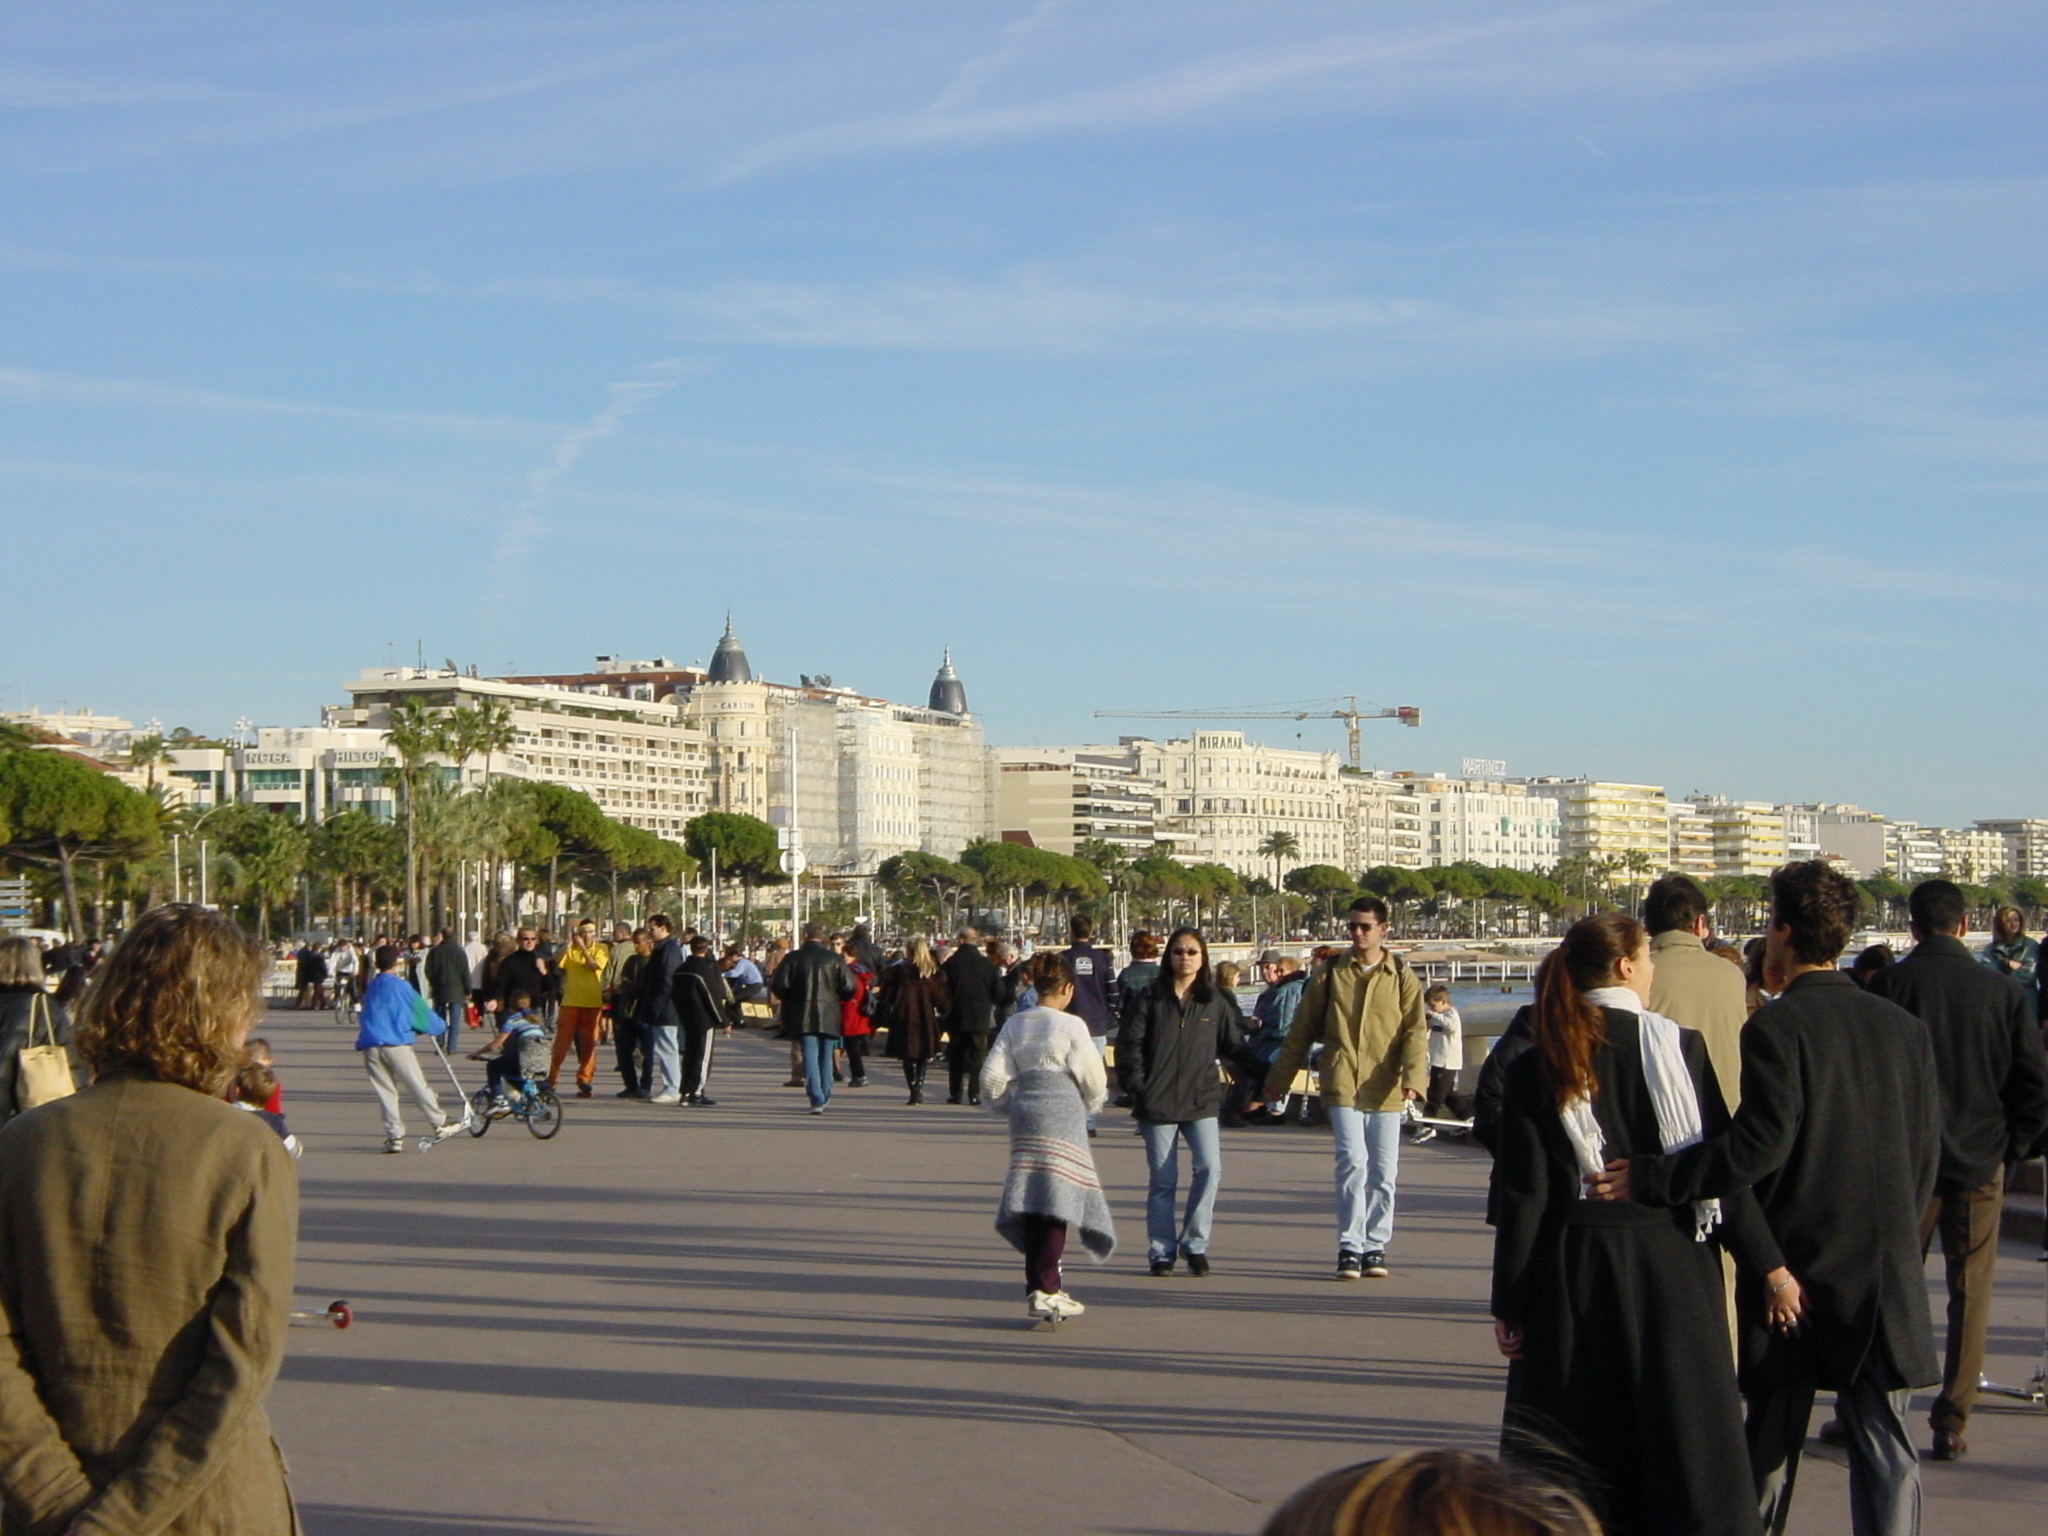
(1168, 1049)
(17, 1009)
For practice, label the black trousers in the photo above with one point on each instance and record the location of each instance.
(697, 1039)
(964, 1056)
(628, 1039)
(1045, 1241)
(856, 1048)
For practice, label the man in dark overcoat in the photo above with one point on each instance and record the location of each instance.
(973, 986)
(1994, 1104)
(1839, 1134)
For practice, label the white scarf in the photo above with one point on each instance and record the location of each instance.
(1672, 1095)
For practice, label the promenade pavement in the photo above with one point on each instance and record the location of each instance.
(744, 1319)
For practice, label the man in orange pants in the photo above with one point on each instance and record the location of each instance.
(582, 965)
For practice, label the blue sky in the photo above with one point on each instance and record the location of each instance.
(1646, 390)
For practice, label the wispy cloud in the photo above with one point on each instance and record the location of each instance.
(1517, 53)
(968, 80)
(64, 389)
(523, 529)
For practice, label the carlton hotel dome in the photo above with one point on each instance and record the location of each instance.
(729, 661)
(949, 694)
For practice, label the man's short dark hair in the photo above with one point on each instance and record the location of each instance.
(814, 933)
(1937, 906)
(386, 957)
(1820, 905)
(699, 945)
(1672, 903)
(661, 920)
(1080, 929)
(1373, 905)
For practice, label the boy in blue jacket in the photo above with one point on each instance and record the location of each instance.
(385, 1035)
(520, 1027)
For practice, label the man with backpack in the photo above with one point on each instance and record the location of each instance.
(1364, 1008)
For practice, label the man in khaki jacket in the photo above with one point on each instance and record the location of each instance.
(1690, 987)
(1364, 1009)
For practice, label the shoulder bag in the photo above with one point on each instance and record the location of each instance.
(42, 1071)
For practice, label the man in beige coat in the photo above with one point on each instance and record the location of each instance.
(1691, 987)
(1364, 1009)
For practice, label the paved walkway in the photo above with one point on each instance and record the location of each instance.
(746, 1320)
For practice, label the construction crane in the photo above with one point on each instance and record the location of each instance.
(1407, 714)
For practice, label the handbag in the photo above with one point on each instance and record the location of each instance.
(42, 1072)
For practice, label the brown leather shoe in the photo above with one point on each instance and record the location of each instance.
(1949, 1445)
(1832, 1433)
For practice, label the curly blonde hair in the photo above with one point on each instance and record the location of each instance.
(173, 1000)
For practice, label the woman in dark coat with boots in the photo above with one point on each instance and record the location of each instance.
(1613, 1314)
(912, 1007)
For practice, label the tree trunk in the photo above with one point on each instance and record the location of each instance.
(68, 875)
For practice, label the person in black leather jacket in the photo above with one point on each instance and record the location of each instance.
(1167, 1055)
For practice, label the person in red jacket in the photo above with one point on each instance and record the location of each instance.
(856, 1029)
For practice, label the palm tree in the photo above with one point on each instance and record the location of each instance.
(481, 731)
(1279, 847)
(148, 753)
(416, 733)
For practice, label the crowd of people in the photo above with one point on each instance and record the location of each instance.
(1713, 1185)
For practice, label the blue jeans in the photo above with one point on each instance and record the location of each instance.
(665, 1060)
(1205, 1159)
(818, 1051)
(1368, 1159)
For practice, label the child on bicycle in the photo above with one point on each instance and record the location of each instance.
(516, 1029)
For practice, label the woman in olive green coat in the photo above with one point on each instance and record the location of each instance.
(146, 1236)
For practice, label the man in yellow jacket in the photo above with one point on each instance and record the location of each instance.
(1364, 1009)
(583, 967)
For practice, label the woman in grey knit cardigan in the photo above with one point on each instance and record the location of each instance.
(1044, 1074)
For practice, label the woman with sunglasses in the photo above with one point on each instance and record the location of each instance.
(1166, 1058)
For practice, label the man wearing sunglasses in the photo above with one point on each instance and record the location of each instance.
(1364, 1008)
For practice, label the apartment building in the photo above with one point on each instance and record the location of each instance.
(1383, 822)
(638, 758)
(2026, 845)
(1220, 797)
(1972, 855)
(1061, 797)
(1748, 836)
(1495, 822)
(1602, 820)
(1692, 841)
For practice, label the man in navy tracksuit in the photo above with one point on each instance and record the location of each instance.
(1096, 994)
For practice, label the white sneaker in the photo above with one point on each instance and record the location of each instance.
(448, 1128)
(666, 1098)
(394, 1144)
(1060, 1304)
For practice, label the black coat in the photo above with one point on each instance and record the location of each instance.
(1987, 1055)
(1839, 1132)
(520, 971)
(1097, 997)
(812, 982)
(1167, 1052)
(18, 1012)
(702, 997)
(974, 988)
(1625, 1361)
(447, 973)
(656, 1008)
(1487, 1096)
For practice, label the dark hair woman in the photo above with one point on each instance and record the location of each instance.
(1166, 1056)
(1613, 1313)
(1044, 1074)
(912, 1002)
(146, 1228)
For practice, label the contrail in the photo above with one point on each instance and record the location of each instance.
(523, 529)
